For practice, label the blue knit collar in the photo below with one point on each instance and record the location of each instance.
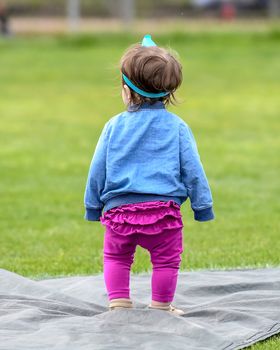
(146, 105)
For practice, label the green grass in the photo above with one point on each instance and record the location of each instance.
(56, 95)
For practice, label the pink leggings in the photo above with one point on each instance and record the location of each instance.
(165, 249)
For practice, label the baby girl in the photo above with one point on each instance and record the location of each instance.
(145, 165)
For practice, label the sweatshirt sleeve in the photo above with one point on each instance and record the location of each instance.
(96, 179)
(194, 177)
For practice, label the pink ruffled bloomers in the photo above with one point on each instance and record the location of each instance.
(146, 217)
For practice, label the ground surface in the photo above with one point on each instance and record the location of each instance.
(56, 95)
(182, 24)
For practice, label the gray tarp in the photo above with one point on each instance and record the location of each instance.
(225, 310)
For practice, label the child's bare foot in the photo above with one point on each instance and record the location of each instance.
(120, 303)
(166, 307)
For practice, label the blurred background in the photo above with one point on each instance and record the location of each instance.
(60, 83)
(62, 15)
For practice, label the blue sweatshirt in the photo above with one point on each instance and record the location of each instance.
(146, 155)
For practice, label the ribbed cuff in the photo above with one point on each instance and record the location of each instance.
(93, 214)
(204, 214)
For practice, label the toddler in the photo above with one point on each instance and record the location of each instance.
(145, 165)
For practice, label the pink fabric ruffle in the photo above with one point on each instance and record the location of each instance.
(145, 217)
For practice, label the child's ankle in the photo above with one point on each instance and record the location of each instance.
(120, 299)
(159, 303)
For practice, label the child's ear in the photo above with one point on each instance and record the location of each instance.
(127, 93)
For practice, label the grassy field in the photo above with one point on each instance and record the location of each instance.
(56, 95)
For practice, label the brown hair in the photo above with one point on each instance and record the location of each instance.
(152, 69)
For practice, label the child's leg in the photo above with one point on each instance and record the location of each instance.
(165, 249)
(118, 256)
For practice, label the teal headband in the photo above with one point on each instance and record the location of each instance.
(147, 41)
